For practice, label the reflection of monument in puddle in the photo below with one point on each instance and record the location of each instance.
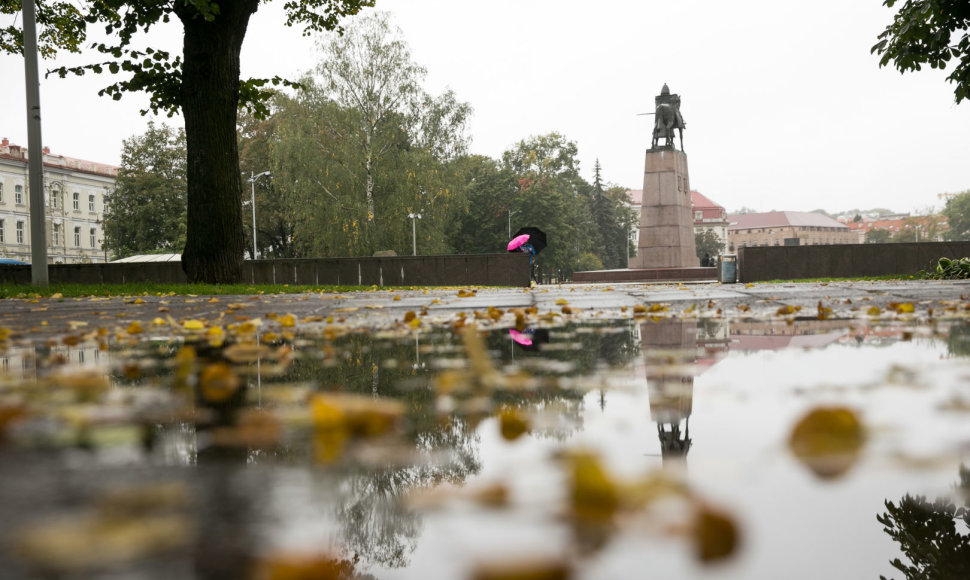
(677, 350)
(670, 352)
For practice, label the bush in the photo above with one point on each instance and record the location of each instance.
(958, 269)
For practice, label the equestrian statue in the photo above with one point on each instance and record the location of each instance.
(667, 119)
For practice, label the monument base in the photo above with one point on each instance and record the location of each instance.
(666, 217)
(691, 274)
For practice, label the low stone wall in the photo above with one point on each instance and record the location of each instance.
(646, 275)
(508, 269)
(758, 264)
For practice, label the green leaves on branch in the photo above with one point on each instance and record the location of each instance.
(932, 33)
(60, 25)
(64, 26)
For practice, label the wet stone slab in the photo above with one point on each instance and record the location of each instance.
(581, 432)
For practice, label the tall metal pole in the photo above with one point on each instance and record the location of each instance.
(35, 153)
(252, 189)
(252, 183)
(414, 232)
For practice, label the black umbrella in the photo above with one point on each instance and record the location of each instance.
(537, 237)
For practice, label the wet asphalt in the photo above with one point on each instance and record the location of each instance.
(44, 318)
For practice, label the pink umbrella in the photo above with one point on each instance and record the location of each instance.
(517, 242)
(520, 337)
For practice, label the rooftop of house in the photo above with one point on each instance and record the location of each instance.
(697, 199)
(780, 219)
(15, 152)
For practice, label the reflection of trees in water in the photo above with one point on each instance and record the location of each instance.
(927, 534)
(591, 346)
(374, 524)
(958, 340)
(596, 343)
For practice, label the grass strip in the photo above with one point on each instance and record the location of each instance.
(163, 289)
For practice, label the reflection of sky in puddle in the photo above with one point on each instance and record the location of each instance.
(744, 404)
(729, 396)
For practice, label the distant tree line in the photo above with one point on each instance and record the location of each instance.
(359, 148)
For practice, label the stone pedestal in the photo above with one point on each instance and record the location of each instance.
(666, 222)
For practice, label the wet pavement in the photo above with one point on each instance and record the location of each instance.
(581, 431)
(380, 308)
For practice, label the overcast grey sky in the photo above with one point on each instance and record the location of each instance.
(784, 105)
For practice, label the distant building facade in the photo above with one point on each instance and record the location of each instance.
(913, 228)
(75, 192)
(786, 228)
(709, 216)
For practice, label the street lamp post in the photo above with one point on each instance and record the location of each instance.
(510, 222)
(252, 183)
(414, 232)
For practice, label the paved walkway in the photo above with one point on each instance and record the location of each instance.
(49, 318)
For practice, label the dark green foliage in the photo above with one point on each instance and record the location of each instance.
(929, 32)
(927, 534)
(708, 244)
(146, 212)
(552, 197)
(878, 236)
(957, 213)
(957, 269)
(613, 220)
(492, 210)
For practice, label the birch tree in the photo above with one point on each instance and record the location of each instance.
(369, 69)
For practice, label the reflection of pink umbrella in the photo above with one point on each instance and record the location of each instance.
(520, 337)
(517, 242)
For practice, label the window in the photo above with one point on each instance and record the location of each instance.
(93, 235)
(56, 234)
(54, 196)
(91, 202)
(77, 236)
(77, 201)
(2, 228)
(20, 232)
(1, 193)
(18, 194)
(698, 215)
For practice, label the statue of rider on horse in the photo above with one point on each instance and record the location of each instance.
(668, 118)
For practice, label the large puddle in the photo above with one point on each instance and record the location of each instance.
(635, 447)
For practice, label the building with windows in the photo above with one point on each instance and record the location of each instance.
(786, 228)
(707, 215)
(75, 193)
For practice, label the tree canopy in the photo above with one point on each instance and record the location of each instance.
(708, 245)
(957, 213)
(929, 33)
(350, 161)
(203, 82)
(146, 211)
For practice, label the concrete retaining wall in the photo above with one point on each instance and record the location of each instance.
(757, 264)
(509, 269)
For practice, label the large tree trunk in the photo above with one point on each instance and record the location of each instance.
(209, 99)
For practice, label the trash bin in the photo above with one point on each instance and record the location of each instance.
(727, 268)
